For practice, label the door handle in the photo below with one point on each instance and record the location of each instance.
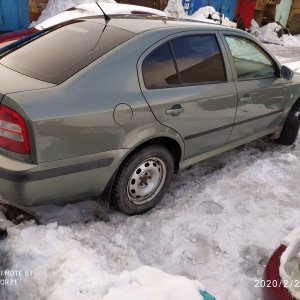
(246, 99)
(175, 110)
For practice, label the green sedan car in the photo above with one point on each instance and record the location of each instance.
(114, 107)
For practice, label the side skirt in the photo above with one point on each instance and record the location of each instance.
(198, 158)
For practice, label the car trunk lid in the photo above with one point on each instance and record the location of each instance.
(12, 82)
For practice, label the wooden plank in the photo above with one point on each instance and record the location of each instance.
(147, 3)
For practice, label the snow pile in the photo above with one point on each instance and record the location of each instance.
(209, 14)
(268, 34)
(175, 9)
(59, 266)
(55, 7)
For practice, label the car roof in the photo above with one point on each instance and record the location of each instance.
(92, 9)
(138, 24)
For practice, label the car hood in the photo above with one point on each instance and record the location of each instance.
(13, 82)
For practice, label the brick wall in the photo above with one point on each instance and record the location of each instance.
(35, 8)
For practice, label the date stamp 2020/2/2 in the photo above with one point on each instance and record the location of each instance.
(276, 283)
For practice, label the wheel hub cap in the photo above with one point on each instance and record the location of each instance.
(146, 181)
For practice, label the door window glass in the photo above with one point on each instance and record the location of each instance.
(159, 68)
(250, 60)
(198, 59)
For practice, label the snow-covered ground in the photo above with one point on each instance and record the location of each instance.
(218, 225)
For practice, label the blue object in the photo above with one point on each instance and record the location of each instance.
(207, 296)
(190, 6)
(226, 7)
(14, 15)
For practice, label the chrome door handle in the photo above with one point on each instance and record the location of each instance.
(246, 99)
(175, 110)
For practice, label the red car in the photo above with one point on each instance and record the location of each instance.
(281, 279)
(78, 11)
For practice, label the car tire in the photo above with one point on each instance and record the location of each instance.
(142, 180)
(291, 126)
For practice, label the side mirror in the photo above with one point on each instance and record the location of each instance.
(287, 73)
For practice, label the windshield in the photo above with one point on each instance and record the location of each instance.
(59, 53)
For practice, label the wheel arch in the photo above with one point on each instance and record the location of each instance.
(171, 144)
(168, 142)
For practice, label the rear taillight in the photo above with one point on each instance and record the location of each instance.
(13, 131)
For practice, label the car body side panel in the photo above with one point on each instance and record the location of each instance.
(12, 82)
(209, 109)
(269, 98)
(293, 90)
(73, 179)
(206, 122)
(76, 118)
(265, 111)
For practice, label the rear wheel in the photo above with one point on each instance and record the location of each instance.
(291, 126)
(142, 180)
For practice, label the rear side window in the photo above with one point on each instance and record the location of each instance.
(187, 60)
(64, 50)
(159, 68)
(251, 62)
(199, 59)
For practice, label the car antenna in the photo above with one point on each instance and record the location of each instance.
(106, 17)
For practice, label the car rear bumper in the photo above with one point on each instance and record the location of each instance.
(58, 181)
(272, 287)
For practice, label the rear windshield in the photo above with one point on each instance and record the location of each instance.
(63, 51)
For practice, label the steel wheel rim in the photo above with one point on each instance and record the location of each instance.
(146, 181)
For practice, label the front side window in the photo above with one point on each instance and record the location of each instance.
(198, 59)
(250, 60)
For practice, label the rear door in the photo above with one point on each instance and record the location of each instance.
(261, 91)
(187, 83)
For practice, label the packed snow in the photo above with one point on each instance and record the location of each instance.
(218, 225)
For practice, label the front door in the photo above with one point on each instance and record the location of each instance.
(186, 85)
(261, 91)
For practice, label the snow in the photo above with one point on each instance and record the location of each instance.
(205, 14)
(175, 9)
(209, 14)
(55, 7)
(268, 34)
(84, 10)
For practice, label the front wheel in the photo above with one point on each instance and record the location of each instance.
(142, 180)
(291, 126)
